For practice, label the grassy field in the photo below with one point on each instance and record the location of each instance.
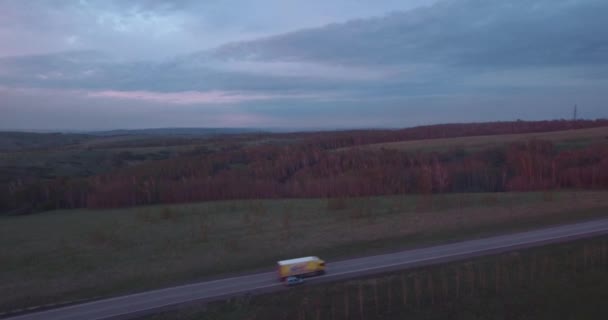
(566, 281)
(563, 139)
(66, 255)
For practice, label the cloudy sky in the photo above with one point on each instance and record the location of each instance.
(89, 65)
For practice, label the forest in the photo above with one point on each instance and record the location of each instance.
(328, 164)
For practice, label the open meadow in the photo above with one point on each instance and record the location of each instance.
(566, 139)
(75, 254)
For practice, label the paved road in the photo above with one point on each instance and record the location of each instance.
(129, 306)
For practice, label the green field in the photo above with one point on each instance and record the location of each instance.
(65, 255)
(565, 281)
(563, 139)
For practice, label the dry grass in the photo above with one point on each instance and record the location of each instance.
(565, 138)
(66, 255)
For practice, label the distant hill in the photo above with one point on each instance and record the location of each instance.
(32, 140)
(12, 140)
(176, 131)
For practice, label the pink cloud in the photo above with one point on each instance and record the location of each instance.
(190, 97)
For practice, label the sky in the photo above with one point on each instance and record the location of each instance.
(97, 65)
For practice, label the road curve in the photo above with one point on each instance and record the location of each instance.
(129, 306)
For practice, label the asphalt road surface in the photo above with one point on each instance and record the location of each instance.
(135, 305)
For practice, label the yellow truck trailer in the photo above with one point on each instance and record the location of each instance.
(301, 267)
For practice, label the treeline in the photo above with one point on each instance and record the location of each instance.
(271, 172)
(309, 169)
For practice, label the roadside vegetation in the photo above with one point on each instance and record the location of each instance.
(565, 281)
(74, 254)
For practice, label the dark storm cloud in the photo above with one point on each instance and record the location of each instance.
(470, 32)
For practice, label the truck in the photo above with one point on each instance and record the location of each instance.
(300, 267)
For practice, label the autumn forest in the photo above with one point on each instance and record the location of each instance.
(329, 164)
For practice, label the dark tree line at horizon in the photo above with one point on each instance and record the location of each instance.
(314, 168)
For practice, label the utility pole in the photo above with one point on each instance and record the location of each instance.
(575, 114)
